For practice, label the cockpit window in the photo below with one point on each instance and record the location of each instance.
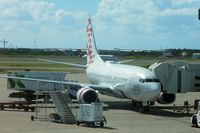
(157, 80)
(149, 80)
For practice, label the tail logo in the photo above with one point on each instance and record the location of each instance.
(89, 42)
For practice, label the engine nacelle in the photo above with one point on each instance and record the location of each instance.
(166, 98)
(87, 95)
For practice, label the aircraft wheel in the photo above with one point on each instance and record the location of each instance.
(140, 108)
(88, 124)
(134, 103)
(146, 109)
(32, 118)
(101, 124)
(77, 123)
(93, 124)
(194, 120)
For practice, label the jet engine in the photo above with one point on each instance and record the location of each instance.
(87, 95)
(166, 98)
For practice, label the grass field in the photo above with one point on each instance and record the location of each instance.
(20, 63)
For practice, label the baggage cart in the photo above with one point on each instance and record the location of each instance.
(91, 114)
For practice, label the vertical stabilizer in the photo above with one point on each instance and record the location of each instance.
(92, 54)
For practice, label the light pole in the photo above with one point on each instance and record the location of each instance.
(4, 42)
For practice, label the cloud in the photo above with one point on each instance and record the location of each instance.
(143, 19)
(140, 15)
(24, 10)
(37, 12)
(117, 23)
(181, 2)
(182, 11)
(25, 18)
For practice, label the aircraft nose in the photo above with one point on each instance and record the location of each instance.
(153, 92)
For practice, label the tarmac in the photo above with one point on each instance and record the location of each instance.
(121, 116)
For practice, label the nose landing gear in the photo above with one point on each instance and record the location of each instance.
(142, 107)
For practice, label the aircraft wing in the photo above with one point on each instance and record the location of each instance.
(100, 88)
(65, 63)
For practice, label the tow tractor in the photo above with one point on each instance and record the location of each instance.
(195, 119)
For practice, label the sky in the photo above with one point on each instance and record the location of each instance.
(124, 24)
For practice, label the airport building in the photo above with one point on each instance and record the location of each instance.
(196, 55)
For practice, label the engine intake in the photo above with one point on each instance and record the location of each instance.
(87, 95)
(166, 98)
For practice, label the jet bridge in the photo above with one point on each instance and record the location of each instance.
(177, 76)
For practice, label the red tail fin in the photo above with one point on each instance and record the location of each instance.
(92, 55)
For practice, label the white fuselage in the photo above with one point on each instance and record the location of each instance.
(132, 82)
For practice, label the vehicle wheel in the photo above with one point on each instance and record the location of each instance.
(26, 109)
(32, 118)
(194, 120)
(101, 124)
(32, 109)
(28, 98)
(98, 100)
(2, 107)
(88, 124)
(104, 119)
(134, 103)
(93, 124)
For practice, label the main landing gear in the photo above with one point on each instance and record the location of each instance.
(142, 107)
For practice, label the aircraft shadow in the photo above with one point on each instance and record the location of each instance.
(168, 111)
(15, 110)
(165, 111)
(118, 105)
(97, 126)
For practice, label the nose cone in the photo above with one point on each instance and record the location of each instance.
(152, 92)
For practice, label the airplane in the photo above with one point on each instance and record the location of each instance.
(113, 78)
(104, 57)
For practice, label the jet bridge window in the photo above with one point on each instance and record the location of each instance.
(197, 77)
(197, 85)
(149, 80)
